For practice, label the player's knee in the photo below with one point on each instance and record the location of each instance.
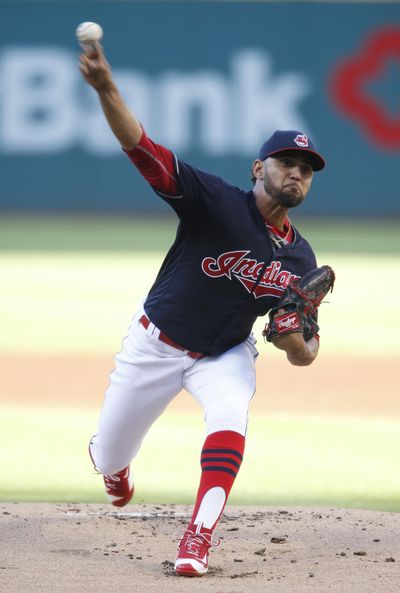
(227, 413)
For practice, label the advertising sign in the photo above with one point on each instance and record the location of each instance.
(211, 81)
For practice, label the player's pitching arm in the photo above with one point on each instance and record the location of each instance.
(153, 161)
(97, 72)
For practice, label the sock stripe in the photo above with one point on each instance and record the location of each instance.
(231, 451)
(212, 468)
(220, 459)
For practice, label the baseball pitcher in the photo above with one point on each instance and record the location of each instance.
(236, 256)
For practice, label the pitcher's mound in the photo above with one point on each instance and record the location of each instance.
(76, 547)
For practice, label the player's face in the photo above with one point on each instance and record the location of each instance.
(287, 178)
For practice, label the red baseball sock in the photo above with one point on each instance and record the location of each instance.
(221, 457)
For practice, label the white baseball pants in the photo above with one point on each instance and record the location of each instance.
(148, 374)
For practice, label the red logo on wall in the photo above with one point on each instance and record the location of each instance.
(351, 97)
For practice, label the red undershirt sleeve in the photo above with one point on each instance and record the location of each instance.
(156, 164)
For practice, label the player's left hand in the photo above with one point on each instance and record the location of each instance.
(297, 308)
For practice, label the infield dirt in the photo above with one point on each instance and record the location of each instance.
(74, 548)
(332, 385)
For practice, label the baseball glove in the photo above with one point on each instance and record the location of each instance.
(300, 305)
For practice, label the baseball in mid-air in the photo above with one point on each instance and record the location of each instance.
(88, 33)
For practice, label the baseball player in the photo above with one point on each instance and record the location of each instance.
(233, 257)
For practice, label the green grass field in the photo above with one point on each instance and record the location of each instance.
(290, 460)
(139, 233)
(71, 285)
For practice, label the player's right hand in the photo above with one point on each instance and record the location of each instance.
(94, 67)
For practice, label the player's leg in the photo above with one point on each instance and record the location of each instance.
(224, 386)
(145, 379)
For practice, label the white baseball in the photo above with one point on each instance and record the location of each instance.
(89, 32)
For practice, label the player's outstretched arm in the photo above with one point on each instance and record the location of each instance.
(298, 352)
(97, 72)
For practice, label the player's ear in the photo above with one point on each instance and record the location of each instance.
(258, 169)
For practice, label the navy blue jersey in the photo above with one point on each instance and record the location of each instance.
(222, 270)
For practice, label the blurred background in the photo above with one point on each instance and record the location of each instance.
(82, 236)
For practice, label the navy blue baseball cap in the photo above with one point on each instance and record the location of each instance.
(283, 140)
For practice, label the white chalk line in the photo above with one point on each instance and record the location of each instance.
(136, 515)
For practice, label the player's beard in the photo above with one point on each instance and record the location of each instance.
(284, 197)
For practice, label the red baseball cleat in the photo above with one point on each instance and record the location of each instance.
(119, 487)
(192, 560)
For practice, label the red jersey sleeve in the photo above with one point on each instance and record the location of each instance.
(157, 165)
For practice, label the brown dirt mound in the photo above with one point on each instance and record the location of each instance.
(73, 548)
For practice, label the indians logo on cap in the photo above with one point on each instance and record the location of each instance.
(301, 140)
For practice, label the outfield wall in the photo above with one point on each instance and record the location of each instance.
(211, 80)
